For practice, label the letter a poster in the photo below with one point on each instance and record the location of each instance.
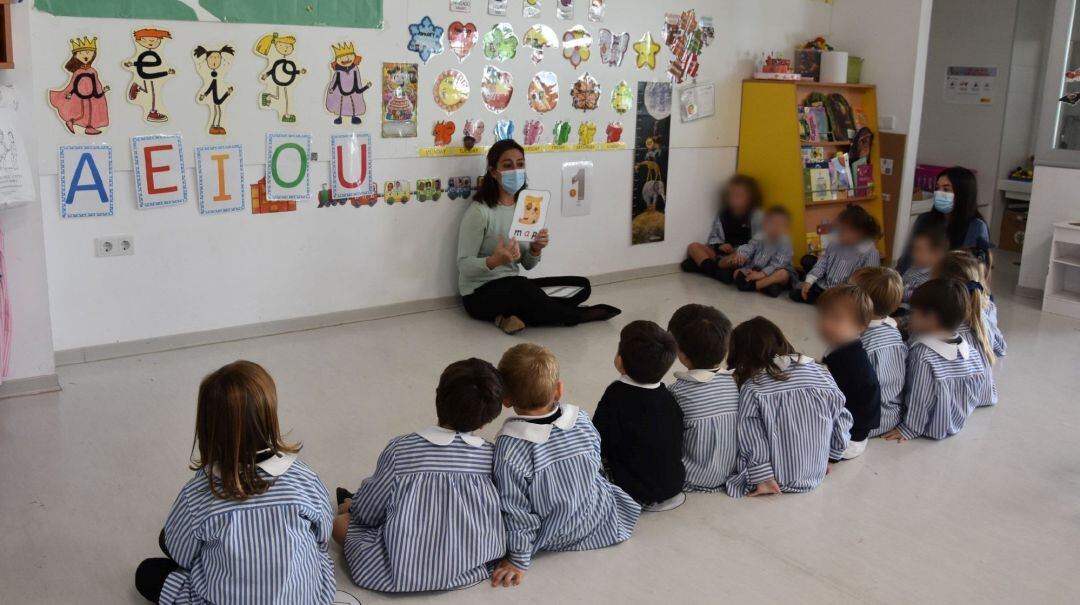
(651, 141)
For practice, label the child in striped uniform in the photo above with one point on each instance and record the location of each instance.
(707, 395)
(854, 248)
(977, 327)
(253, 524)
(547, 470)
(844, 313)
(928, 248)
(640, 425)
(883, 342)
(792, 418)
(982, 254)
(737, 222)
(945, 374)
(764, 263)
(429, 518)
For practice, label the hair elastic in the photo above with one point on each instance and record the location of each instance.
(973, 285)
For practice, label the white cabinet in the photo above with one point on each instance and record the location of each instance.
(1062, 294)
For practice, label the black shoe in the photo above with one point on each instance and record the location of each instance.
(772, 291)
(796, 295)
(744, 284)
(708, 267)
(343, 495)
(690, 266)
(725, 275)
(598, 313)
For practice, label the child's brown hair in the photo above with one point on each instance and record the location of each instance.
(966, 269)
(945, 299)
(235, 421)
(530, 376)
(753, 191)
(851, 296)
(754, 344)
(702, 333)
(857, 218)
(883, 285)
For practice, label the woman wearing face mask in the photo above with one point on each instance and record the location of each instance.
(489, 261)
(956, 207)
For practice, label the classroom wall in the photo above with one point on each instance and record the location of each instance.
(1026, 69)
(193, 273)
(1053, 200)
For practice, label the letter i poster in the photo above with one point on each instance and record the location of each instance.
(651, 142)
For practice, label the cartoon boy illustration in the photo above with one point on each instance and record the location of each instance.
(345, 95)
(282, 72)
(150, 72)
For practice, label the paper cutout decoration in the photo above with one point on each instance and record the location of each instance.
(212, 64)
(596, 11)
(646, 51)
(564, 10)
(533, 130)
(86, 181)
(614, 132)
(576, 43)
(473, 133)
(459, 187)
(504, 129)
(686, 38)
(327, 200)
(399, 97)
(649, 187)
(586, 133)
(444, 132)
(350, 164)
(500, 43)
(462, 37)
(497, 7)
(613, 47)
(530, 9)
(396, 192)
(261, 205)
(425, 39)
(585, 93)
(578, 188)
(530, 214)
(81, 102)
(280, 75)
(219, 171)
(496, 89)
(561, 133)
(288, 166)
(428, 190)
(460, 6)
(149, 73)
(697, 101)
(451, 90)
(539, 37)
(345, 93)
(544, 92)
(657, 99)
(622, 98)
(160, 174)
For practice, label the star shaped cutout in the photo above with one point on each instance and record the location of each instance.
(646, 51)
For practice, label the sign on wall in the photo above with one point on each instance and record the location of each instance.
(220, 172)
(966, 85)
(288, 166)
(350, 165)
(577, 188)
(86, 181)
(160, 176)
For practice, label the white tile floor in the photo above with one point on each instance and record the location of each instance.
(991, 515)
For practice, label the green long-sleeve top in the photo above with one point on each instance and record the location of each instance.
(480, 230)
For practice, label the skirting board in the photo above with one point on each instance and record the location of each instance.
(299, 324)
(1026, 292)
(35, 385)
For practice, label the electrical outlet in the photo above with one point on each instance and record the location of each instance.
(887, 122)
(886, 166)
(115, 245)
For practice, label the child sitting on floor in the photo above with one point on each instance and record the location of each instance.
(982, 254)
(853, 249)
(977, 328)
(883, 342)
(430, 518)
(707, 395)
(792, 418)
(253, 525)
(640, 425)
(844, 312)
(547, 470)
(736, 224)
(763, 263)
(928, 248)
(945, 374)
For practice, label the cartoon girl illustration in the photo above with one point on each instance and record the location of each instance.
(282, 73)
(345, 95)
(82, 101)
(212, 66)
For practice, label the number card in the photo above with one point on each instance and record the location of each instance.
(288, 167)
(577, 193)
(350, 165)
(220, 172)
(160, 176)
(86, 181)
(530, 214)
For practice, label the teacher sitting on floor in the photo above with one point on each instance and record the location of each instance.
(956, 208)
(489, 260)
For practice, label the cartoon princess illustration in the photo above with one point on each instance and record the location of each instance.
(345, 95)
(282, 73)
(82, 101)
(150, 73)
(212, 65)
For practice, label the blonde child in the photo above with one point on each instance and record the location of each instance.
(883, 342)
(977, 327)
(253, 525)
(547, 470)
(792, 419)
(764, 263)
(854, 248)
(430, 518)
(736, 224)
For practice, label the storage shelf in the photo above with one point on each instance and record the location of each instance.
(825, 143)
(1073, 260)
(847, 200)
(1066, 295)
(813, 84)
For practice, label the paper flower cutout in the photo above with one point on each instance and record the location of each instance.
(585, 93)
(544, 92)
(614, 132)
(500, 43)
(561, 134)
(646, 51)
(444, 132)
(576, 45)
(613, 47)
(539, 37)
(425, 39)
(451, 90)
(622, 98)
(533, 130)
(504, 129)
(586, 133)
(496, 88)
(463, 37)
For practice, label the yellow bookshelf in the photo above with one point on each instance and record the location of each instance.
(770, 150)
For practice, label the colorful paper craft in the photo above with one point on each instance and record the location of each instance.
(86, 180)
(428, 190)
(533, 130)
(504, 129)
(396, 192)
(213, 64)
(577, 43)
(596, 11)
(613, 47)
(686, 38)
(539, 37)
(585, 93)
(614, 132)
(622, 98)
(646, 51)
(444, 132)
(399, 97)
(288, 166)
(219, 170)
(564, 10)
(345, 93)
(261, 205)
(280, 75)
(586, 133)
(459, 187)
(451, 90)
(497, 8)
(530, 9)
(160, 175)
(561, 133)
(500, 43)
(425, 39)
(496, 89)
(544, 92)
(473, 133)
(462, 37)
(350, 165)
(149, 73)
(81, 103)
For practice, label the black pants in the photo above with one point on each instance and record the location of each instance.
(151, 575)
(811, 296)
(526, 299)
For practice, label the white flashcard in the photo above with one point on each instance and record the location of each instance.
(577, 188)
(86, 181)
(160, 176)
(220, 172)
(530, 214)
(288, 166)
(350, 165)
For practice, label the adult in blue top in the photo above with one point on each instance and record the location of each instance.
(956, 207)
(490, 261)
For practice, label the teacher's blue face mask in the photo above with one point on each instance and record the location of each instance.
(512, 180)
(944, 201)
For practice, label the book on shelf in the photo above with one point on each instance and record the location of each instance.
(820, 183)
(842, 181)
(817, 120)
(864, 180)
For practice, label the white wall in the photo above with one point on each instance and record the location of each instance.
(198, 273)
(32, 350)
(1053, 199)
(1026, 71)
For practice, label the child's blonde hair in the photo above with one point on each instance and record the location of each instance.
(266, 42)
(883, 285)
(851, 296)
(530, 376)
(964, 267)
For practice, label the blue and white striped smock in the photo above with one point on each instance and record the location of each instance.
(913, 278)
(789, 429)
(888, 354)
(839, 262)
(997, 339)
(988, 396)
(270, 548)
(429, 518)
(767, 256)
(553, 495)
(944, 384)
(709, 400)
